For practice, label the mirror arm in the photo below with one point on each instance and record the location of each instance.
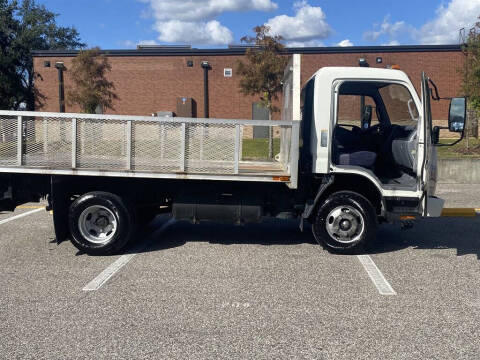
(436, 97)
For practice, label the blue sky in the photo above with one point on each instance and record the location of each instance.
(121, 24)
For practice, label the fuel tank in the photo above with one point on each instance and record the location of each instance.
(221, 207)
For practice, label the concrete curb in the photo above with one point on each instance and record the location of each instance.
(460, 212)
(459, 171)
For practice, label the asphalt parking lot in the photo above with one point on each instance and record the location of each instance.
(262, 291)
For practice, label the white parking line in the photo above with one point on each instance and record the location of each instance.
(106, 274)
(20, 216)
(383, 286)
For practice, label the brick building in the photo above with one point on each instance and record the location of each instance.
(152, 79)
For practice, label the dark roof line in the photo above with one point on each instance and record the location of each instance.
(241, 51)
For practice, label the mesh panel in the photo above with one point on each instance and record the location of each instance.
(210, 148)
(8, 140)
(156, 146)
(101, 144)
(47, 142)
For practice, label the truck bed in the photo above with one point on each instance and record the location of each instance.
(153, 147)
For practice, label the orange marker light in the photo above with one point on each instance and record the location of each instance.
(281, 178)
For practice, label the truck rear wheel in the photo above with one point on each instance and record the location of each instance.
(100, 223)
(345, 223)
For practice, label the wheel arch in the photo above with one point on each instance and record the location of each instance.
(348, 182)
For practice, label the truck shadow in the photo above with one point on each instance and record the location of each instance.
(270, 232)
(462, 234)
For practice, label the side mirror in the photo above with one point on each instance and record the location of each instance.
(457, 114)
(366, 117)
(436, 135)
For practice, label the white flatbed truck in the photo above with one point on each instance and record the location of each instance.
(104, 174)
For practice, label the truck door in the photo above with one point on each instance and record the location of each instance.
(427, 156)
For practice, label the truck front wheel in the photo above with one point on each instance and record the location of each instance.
(345, 222)
(100, 223)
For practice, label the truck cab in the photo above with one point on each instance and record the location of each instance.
(369, 133)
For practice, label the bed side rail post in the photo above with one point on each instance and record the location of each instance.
(294, 154)
(19, 140)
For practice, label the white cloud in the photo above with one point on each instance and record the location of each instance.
(386, 28)
(203, 10)
(392, 43)
(147, 42)
(127, 43)
(344, 43)
(193, 21)
(444, 29)
(311, 43)
(211, 32)
(306, 27)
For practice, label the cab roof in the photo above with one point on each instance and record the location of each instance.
(332, 73)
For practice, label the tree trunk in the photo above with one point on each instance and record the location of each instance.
(473, 123)
(471, 128)
(270, 136)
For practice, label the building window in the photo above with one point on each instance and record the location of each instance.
(227, 72)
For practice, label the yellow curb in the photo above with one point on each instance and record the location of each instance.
(30, 207)
(460, 212)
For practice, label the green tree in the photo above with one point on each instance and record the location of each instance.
(262, 74)
(471, 73)
(91, 88)
(10, 79)
(24, 27)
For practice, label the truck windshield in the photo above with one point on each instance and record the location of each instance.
(399, 104)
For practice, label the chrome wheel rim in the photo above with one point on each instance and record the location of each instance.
(345, 224)
(97, 224)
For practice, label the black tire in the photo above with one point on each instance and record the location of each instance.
(343, 213)
(112, 209)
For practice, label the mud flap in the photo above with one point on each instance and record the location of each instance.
(434, 206)
(59, 203)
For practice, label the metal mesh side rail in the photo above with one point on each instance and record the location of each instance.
(8, 140)
(210, 148)
(189, 146)
(156, 146)
(101, 144)
(47, 142)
